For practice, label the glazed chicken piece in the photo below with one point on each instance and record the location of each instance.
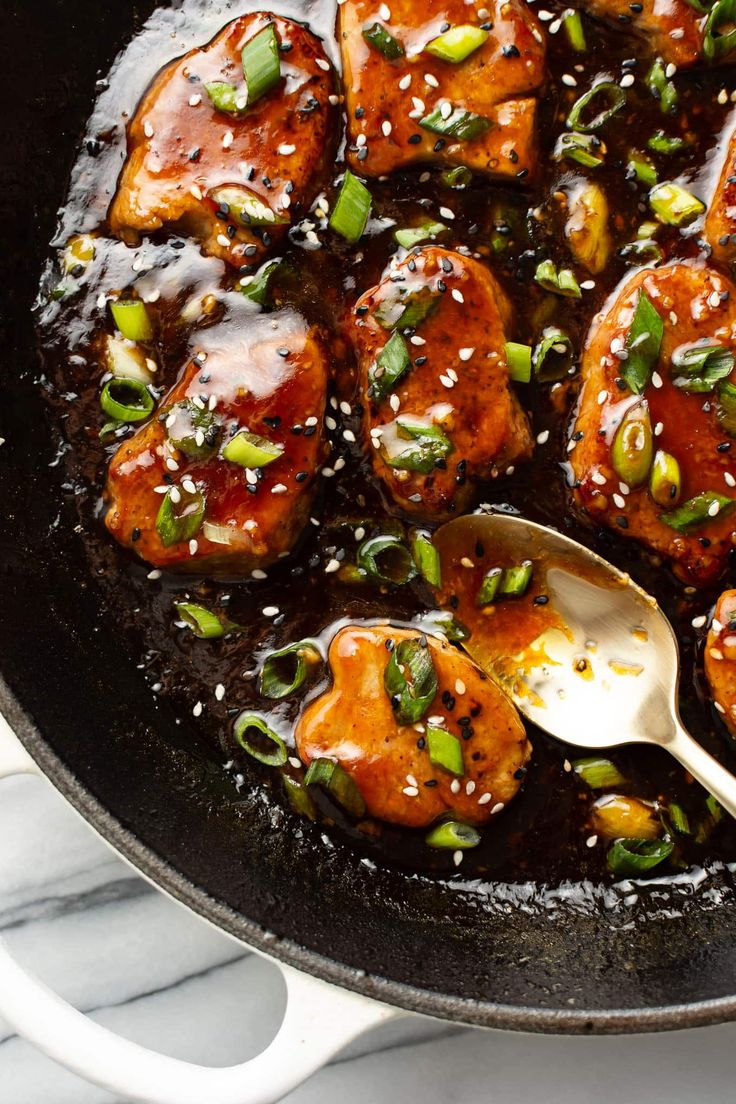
(355, 723)
(659, 466)
(720, 658)
(449, 417)
(720, 222)
(234, 178)
(673, 29)
(395, 103)
(223, 476)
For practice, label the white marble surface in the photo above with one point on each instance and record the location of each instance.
(140, 964)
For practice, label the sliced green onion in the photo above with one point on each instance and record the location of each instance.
(382, 40)
(726, 408)
(713, 816)
(445, 750)
(445, 623)
(561, 282)
(664, 480)
(518, 361)
(458, 177)
(661, 88)
(261, 63)
(452, 835)
(391, 364)
(674, 205)
(720, 30)
(515, 580)
(256, 287)
(387, 560)
(131, 318)
(633, 446)
(285, 670)
(714, 807)
(585, 149)
(410, 680)
(126, 400)
(489, 587)
(643, 343)
(553, 355)
(429, 444)
(193, 431)
(703, 364)
(461, 124)
(697, 511)
(678, 818)
(642, 251)
(251, 451)
(406, 311)
(299, 797)
(413, 235)
(629, 857)
(660, 142)
(599, 774)
(427, 558)
(226, 97)
(352, 208)
(245, 206)
(181, 520)
(260, 741)
(642, 167)
(203, 622)
(609, 93)
(457, 44)
(341, 786)
(573, 25)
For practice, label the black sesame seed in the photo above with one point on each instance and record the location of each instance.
(541, 600)
(510, 51)
(414, 139)
(301, 476)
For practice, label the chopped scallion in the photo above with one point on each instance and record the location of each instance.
(410, 680)
(701, 364)
(258, 286)
(193, 431)
(726, 408)
(629, 857)
(458, 177)
(515, 580)
(285, 669)
(599, 774)
(664, 480)
(251, 451)
(643, 343)
(458, 43)
(609, 93)
(642, 167)
(678, 819)
(632, 450)
(461, 124)
(585, 149)
(226, 97)
(352, 208)
(489, 587)
(427, 558)
(697, 511)
(445, 750)
(387, 560)
(391, 364)
(429, 445)
(261, 63)
(518, 361)
(331, 777)
(131, 318)
(661, 88)
(720, 30)
(674, 205)
(452, 835)
(561, 282)
(414, 235)
(299, 797)
(445, 623)
(553, 355)
(659, 142)
(382, 40)
(573, 24)
(260, 741)
(181, 520)
(203, 622)
(126, 400)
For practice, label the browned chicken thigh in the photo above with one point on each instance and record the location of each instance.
(654, 460)
(407, 102)
(673, 29)
(223, 476)
(483, 745)
(439, 410)
(720, 658)
(206, 161)
(720, 221)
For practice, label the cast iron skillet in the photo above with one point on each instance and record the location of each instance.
(83, 711)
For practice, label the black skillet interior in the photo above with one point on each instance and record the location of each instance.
(467, 952)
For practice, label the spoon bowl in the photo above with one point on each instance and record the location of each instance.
(604, 669)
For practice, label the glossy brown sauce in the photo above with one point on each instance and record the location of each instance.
(542, 835)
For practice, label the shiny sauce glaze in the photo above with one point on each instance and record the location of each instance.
(510, 226)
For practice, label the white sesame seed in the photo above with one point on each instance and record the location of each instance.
(457, 295)
(285, 149)
(386, 128)
(591, 841)
(405, 82)
(333, 565)
(457, 857)
(219, 691)
(599, 479)
(394, 402)
(339, 464)
(223, 240)
(619, 501)
(279, 488)
(670, 70)
(418, 107)
(294, 762)
(658, 429)
(410, 791)
(723, 96)
(196, 191)
(698, 622)
(543, 437)
(497, 808)
(602, 396)
(324, 65)
(587, 285)
(569, 80)
(359, 533)
(714, 508)
(567, 766)
(346, 408)
(484, 798)
(445, 109)
(197, 710)
(148, 130)
(195, 100)
(719, 707)
(415, 339)
(459, 687)
(715, 653)
(227, 139)
(175, 495)
(446, 213)
(155, 574)
(627, 80)
(171, 464)
(258, 573)
(385, 12)
(431, 80)
(270, 611)
(455, 786)
(193, 546)
(411, 780)
(466, 353)
(447, 382)
(729, 479)
(469, 787)
(349, 436)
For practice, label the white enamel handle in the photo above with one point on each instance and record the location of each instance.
(319, 1020)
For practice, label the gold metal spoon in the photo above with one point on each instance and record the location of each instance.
(603, 671)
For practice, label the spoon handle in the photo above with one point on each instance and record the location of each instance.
(708, 771)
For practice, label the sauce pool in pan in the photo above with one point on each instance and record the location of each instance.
(346, 561)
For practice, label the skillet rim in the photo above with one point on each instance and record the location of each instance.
(470, 1012)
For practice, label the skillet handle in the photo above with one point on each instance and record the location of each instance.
(320, 1020)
